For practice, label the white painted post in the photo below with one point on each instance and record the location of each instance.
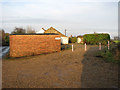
(108, 45)
(99, 46)
(72, 47)
(85, 47)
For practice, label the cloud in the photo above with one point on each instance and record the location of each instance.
(77, 16)
(58, 0)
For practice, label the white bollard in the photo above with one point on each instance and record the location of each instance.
(85, 47)
(108, 45)
(72, 47)
(99, 46)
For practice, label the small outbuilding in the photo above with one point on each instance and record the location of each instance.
(64, 39)
(34, 44)
(80, 39)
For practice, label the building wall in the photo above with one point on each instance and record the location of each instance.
(64, 40)
(79, 40)
(26, 45)
(53, 30)
(40, 31)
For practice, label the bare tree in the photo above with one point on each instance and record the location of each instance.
(30, 30)
(2, 37)
(18, 31)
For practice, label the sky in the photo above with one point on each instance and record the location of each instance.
(78, 17)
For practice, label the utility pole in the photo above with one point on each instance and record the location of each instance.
(65, 32)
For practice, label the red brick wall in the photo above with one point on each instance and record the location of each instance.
(26, 45)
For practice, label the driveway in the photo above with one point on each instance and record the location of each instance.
(65, 69)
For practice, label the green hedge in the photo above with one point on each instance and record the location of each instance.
(118, 44)
(7, 39)
(95, 39)
(72, 39)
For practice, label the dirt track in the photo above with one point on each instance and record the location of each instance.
(65, 69)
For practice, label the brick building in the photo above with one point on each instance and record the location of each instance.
(64, 39)
(34, 44)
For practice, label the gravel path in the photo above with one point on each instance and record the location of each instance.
(65, 69)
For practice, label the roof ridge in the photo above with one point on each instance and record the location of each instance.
(56, 30)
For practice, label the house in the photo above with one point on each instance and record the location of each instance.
(64, 39)
(80, 39)
(42, 30)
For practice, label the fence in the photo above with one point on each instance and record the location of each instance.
(99, 46)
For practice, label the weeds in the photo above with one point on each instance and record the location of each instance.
(109, 55)
(66, 47)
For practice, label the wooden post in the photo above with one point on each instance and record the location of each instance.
(99, 46)
(108, 45)
(85, 47)
(72, 47)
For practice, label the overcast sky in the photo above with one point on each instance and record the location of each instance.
(76, 16)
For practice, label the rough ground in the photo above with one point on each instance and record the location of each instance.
(65, 69)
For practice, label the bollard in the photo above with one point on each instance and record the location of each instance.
(72, 47)
(85, 47)
(108, 45)
(99, 46)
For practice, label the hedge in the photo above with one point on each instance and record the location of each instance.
(95, 39)
(7, 39)
(72, 39)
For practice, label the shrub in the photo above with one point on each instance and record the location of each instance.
(7, 39)
(118, 45)
(94, 39)
(72, 39)
(112, 55)
(66, 47)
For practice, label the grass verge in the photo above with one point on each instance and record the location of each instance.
(111, 56)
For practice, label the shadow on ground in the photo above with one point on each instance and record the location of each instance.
(96, 73)
(65, 69)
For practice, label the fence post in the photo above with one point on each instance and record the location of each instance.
(99, 46)
(72, 47)
(85, 47)
(108, 45)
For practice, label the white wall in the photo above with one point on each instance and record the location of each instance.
(64, 40)
(40, 31)
(79, 40)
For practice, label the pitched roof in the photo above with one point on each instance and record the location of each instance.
(53, 30)
(43, 29)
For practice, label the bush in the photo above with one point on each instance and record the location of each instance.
(112, 55)
(66, 47)
(7, 39)
(118, 45)
(72, 39)
(95, 39)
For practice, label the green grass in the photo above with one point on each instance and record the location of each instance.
(108, 56)
(116, 41)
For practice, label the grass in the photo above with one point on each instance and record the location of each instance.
(116, 41)
(109, 55)
(66, 47)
